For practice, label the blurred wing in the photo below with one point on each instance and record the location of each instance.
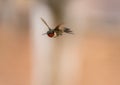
(45, 23)
(59, 27)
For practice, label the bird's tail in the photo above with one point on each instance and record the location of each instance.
(67, 30)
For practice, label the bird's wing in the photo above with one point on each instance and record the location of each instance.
(59, 27)
(46, 23)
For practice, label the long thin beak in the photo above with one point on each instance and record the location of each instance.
(44, 33)
(45, 23)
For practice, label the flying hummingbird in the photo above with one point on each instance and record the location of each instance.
(57, 31)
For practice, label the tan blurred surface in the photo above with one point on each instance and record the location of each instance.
(89, 57)
(14, 43)
(101, 52)
(14, 57)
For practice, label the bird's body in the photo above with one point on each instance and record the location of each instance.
(57, 31)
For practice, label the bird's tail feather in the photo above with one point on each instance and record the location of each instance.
(67, 30)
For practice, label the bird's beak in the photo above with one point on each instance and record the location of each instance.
(44, 33)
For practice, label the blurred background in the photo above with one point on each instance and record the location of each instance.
(89, 57)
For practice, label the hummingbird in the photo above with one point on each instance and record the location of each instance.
(57, 31)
